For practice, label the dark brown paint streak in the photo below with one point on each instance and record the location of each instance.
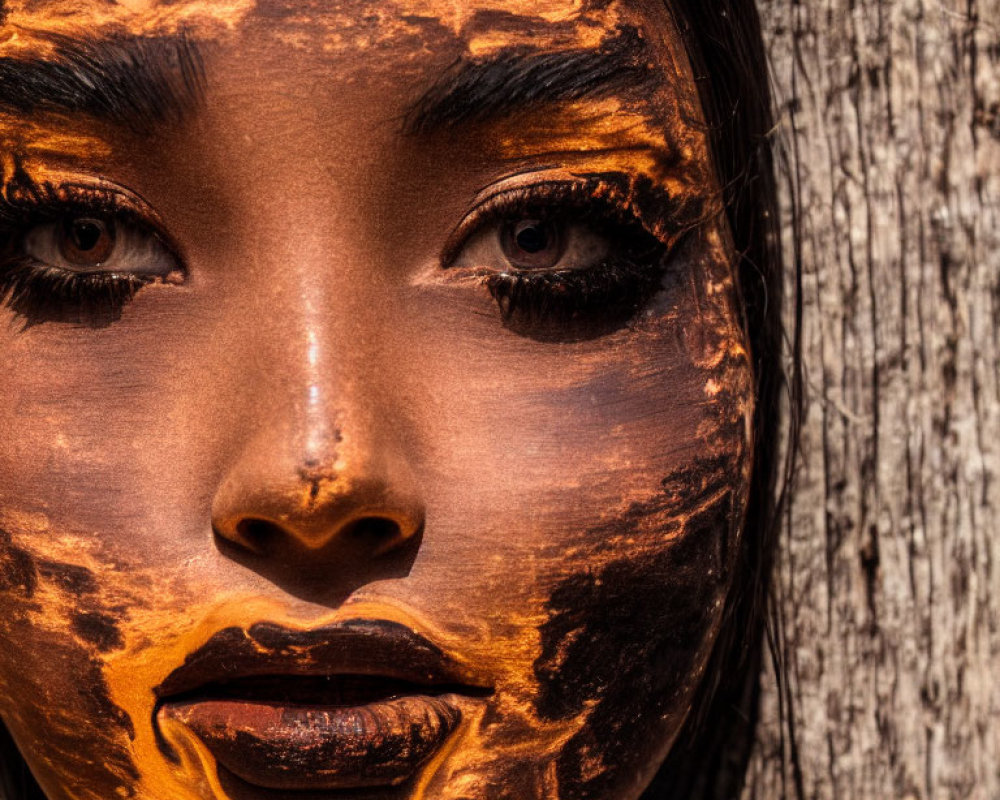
(98, 629)
(93, 714)
(590, 650)
(17, 568)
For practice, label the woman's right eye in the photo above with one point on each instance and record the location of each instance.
(84, 243)
(80, 261)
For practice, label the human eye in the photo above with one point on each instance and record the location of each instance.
(78, 253)
(566, 259)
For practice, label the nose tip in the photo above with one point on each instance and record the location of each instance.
(315, 518)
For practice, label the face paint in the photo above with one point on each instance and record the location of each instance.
(376, 412)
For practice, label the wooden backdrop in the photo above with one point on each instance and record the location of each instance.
(889, 582)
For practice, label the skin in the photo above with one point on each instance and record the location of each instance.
(568, 511)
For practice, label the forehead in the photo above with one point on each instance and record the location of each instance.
(338, 24)
(500, 57)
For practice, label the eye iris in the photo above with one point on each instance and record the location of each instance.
(531, 243)
(87, 241)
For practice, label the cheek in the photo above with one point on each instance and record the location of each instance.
(83, 643)
(610, 495)
(603, 656)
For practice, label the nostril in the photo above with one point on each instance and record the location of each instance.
(376, 533)
(257, 534)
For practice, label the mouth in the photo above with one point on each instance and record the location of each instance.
(359, 704)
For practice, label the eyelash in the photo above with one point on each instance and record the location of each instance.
(39, 292)
(576, 303)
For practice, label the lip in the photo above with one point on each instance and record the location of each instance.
(361, 703)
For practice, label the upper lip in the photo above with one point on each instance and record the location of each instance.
(380, 648)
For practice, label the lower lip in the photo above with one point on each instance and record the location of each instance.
(295, 747)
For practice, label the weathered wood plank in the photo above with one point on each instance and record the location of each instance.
(889, 581)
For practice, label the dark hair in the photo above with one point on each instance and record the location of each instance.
(709, 759)
(16, 781)
(725, 44)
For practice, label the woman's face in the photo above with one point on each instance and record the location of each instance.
(376, 405)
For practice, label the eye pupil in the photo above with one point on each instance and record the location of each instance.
(531, 237)
(86, 234)
(87, 241)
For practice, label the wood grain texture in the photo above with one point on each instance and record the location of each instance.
(888, 587)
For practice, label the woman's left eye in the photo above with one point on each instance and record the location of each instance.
(527, 243)
(562, 262)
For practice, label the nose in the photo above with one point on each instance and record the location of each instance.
(303, 511)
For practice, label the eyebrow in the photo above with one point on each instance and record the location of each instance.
(133, 81)
(513, 79)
